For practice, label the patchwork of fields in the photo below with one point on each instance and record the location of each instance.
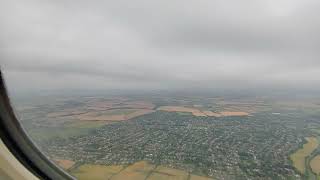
(307, 159)
(107, 110)
(181, 138)
(299, 157)
(124, 109)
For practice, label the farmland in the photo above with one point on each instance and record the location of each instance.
(197, 112)
(299, 157)
(194, 111)
(163, 137)
(137, 171)
(113, 115)
(315, 165)
(168, 173)
(96, 172)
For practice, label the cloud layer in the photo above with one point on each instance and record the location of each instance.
(160, 44)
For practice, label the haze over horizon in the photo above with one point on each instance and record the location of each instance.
(160, 44)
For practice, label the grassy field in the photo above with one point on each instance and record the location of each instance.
(74, 128)
(317, 131)
(184, 113)
(62, 132)
(298, 158)
(138, 171)
(86, 124)
(113, 115)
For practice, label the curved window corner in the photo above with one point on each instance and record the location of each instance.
(23, 149)
(157, 90)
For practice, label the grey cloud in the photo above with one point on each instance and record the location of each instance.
(161, 43)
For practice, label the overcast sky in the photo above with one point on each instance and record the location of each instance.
(164, 44)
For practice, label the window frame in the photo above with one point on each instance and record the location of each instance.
(21, 146)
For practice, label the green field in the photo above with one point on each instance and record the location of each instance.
(86, 124)
(184, 113)
(74, 128)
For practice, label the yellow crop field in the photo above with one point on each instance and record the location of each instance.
(196, 177)
(315, 165)
(137, 171)
(234, 113)
(96, 172)
(164, 173)
(213, 114)
(194, 111)
(197, 112)
(298, 158)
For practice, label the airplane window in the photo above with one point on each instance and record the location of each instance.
(161, 90)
